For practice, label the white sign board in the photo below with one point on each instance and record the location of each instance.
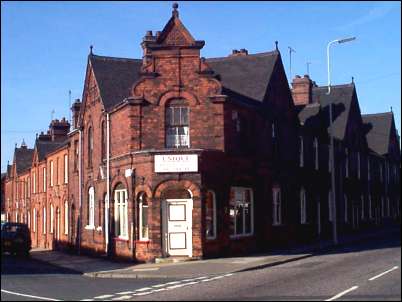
(176, 163)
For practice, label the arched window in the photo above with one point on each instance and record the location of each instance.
(66, 217)
(303, 210)
(210, 215)
(44, 220)
(90, 146)
(143, 216)
(103, 139)
(91, 208)
(177, 124)
(120, 212)
(51, 218)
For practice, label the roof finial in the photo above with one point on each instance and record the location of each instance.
(90, 49)
(276, 45)
(15, 145)
(391, 109)
(23, 143)
(175, 12)
(353, 80)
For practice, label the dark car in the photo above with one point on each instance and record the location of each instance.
(15, 238)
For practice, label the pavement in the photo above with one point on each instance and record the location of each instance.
(106, 268)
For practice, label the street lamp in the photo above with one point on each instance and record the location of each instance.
(333, 189)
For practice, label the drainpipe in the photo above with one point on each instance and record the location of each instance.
(80, 188)
(107, 185)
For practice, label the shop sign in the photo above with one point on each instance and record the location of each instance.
(176, 163)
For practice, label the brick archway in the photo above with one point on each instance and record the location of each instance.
(193, 189)
(192, 99)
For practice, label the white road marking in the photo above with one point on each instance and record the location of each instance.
(204, 277)
(227, 275)
(159, 285)
(175, 286)
(125, 293)
(173, 282)
(194, 282)
(103, 297)
(342, 293)
(121, 298)
(217, 277)
(29, 296)
(382, 274)
(87, 300)
(141, 294)
(143, 289)
(158, 290)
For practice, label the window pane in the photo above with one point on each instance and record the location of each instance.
(169, 117)
(176, 115)
(184, 115)
(232, 212)
(144, 220)
(239, 218)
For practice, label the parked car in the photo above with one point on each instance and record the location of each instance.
(15, 238)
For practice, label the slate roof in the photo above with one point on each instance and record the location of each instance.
(308, 111)
(46, 147)
(114, 76)
(244, 75)
(378, 137)
(247, 75)
(23, 159)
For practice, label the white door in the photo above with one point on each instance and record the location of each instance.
(178, 227)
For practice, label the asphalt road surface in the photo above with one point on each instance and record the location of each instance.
(369, 270)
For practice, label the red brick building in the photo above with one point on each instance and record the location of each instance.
(177, 155)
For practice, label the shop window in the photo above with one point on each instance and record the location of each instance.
(120, 212)
(210, 215)
(143, 216)
(276, 205)
(177, 125)
(241, 211)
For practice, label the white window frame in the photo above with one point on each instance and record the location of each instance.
(44, 220)
(34, 182)
(91, 209)
(276, 206)
(213, 216)
(65, 168)
(121, 211)
(51, 218)
(243, 202)
(330, 212)
(140, 209)
(34, 220)
(301, 151)
(316, 164)
(66, 217)
(29, 220)
(303, 206)
(345, 198)
(51, 173)
(44, 179)
(346, 162)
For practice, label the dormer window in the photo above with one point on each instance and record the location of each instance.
(177, 125)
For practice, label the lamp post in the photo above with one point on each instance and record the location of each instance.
(333, 189)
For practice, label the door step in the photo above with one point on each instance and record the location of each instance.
(175, 259)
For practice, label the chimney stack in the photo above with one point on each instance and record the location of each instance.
(302, 90)
(241, 52)
(75, 108)
(58, 129)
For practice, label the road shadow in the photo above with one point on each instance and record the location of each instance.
(14, 265)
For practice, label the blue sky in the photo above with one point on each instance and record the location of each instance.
(44, 48)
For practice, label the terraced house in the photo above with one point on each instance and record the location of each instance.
(176, 155)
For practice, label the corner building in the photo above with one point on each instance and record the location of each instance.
(187, 144)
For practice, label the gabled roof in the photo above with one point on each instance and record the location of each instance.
(115, 77)
(378, 137)
(247, 75)
(340, 95)
(23, 158)
(45, 147)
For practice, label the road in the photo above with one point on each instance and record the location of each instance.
(369, 270)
